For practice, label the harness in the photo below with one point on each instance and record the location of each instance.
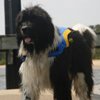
(65, 43)
(64, 33)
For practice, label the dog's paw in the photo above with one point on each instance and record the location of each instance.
(27, 98)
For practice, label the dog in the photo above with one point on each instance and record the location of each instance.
(54, 58)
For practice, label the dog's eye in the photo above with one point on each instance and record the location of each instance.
(26, 30)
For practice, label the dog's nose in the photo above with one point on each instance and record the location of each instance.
(26, 30)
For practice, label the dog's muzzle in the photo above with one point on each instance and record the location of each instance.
(26, 32)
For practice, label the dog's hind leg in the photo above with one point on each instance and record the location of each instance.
(61, 84)
(83, 86)
(62, 91)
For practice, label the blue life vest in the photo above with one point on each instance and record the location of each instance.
(63, 32)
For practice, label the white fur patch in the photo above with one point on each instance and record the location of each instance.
(35, 74)
(22, 51)
(80, 86)
(57, 39)
(82, 28)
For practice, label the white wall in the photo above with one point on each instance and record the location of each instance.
(2, 18)
(69, 12)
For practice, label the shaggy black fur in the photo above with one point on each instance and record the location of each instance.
(41, 31)
(77, 58)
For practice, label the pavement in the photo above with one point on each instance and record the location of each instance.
(15, 94)
(2, 77)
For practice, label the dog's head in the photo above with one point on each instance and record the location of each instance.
(35, 31)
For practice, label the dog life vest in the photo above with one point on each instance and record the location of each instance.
(63, 32)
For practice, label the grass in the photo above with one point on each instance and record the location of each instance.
(2, 62)
(97, 54)
(2, 58)
(2, 75)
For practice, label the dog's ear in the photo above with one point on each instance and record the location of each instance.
(19, 18)
(18, 22)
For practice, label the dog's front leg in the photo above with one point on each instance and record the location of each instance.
(25, 94)
(30, 93)
(30, 86)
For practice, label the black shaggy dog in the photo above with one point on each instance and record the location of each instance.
(55, 58)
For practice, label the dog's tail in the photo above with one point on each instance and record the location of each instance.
(87, 33)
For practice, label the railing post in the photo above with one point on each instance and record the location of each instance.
(12, 7)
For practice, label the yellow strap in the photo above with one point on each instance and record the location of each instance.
(65, 35)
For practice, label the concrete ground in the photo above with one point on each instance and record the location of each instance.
(16, 94)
